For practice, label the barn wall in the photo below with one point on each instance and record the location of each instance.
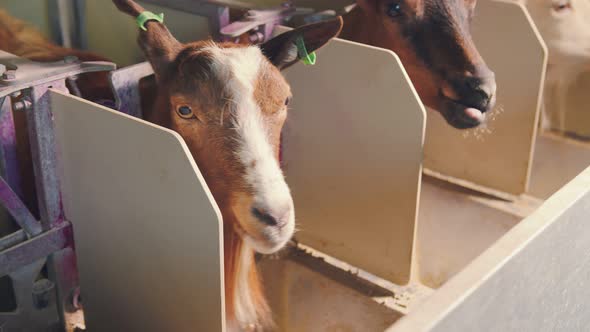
(575, 118)
(115, 36)
(34, 12)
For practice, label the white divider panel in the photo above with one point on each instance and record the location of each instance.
(557, 161)
(574, 118)
(352, 152)
(147, 230)
(500, 157)
(533, 279)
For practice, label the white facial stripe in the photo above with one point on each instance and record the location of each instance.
(239, 68)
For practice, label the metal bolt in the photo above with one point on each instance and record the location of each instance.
(24, 104)
(256, 37)
(9, 75)
(42, 293)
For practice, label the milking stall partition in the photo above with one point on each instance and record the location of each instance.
(405, 224)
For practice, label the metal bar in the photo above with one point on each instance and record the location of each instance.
(63, 271)
(8, 154)
(43, 152)
(217, 20)
(268, 29)
(31, 73)
(53, 19)
(80, 38)
(65, 21)
(125, 84)
(13, 239)
(18, 210)
(73, 82)
(202, 8)
(34, 249)
(60, 266)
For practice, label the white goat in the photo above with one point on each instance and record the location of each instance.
(565, 27)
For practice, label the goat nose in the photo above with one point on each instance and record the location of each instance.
(269, 218)
(477, 91)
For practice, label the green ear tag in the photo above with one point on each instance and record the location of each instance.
(308, 59)
(148, 16)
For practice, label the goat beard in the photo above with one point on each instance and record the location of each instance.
(245, 303)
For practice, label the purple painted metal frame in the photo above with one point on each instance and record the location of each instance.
(125, 85)
(261, 22)
(8, 158)
(48, 242)
(31, 250)
(12, 239)
(42, 143)
(18, 210)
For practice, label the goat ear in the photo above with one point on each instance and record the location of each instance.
(282, 50)
(156, 42)
(159, 46)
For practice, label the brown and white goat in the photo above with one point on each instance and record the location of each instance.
(433, 40)
(229, 103)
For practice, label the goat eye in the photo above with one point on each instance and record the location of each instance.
(287, 101)
(394, 9)
(185, 112)
(561, 6)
